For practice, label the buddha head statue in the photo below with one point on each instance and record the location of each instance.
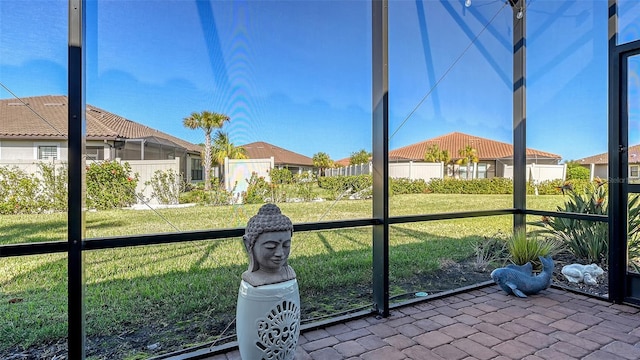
(267, 240)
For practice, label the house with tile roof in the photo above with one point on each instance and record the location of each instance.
(35, 128)
(282, 158)
(495, 157)
(598, 164)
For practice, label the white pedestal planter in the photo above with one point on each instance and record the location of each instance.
(268, 320)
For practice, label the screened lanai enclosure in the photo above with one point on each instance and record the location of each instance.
(520, 87)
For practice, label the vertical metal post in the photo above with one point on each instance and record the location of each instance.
(379, 15)
(618, 167)
(76, 150)
(519, 112)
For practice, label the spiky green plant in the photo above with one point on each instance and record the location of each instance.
(633, 233)
(490, 251)
(589, 240)
(523, 249)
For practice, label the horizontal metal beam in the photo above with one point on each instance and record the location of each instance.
(164, 238)
(448, 216)
(39, 248)
(568, 215)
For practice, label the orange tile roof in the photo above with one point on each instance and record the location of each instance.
(45, 117)
(263, 150)
(486, 149)
(343, 162)
(634, 157)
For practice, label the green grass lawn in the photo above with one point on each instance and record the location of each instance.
(184, 294)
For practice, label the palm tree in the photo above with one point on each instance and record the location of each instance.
(223, 148)
(435, 154)
(207, 121)
(322, 161)
(468, 155)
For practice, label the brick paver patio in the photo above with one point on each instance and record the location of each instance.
(483, 324)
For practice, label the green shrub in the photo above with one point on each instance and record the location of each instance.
(54, 192)
(166, 186)
(559, 187)
(407, 186)
(338, 186)
(110, 185)
(281, 176)
(19, 192)
(23, 193)
(257, 191)
(578, 173)
(304, 183)
(474, 186)
(216, 196)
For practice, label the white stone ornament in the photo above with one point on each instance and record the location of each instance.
(577, 273)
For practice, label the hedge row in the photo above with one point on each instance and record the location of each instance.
(338, 186)
(341, 184)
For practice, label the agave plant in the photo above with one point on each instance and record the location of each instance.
(589, 240)
(633, 232)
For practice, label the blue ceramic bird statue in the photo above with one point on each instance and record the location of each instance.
(519, 280)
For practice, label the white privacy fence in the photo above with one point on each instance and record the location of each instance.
(237, 173)
(31, 166)
(414, 171)
(144, 168)
(350, 170)
(408, 170)
(540, 172)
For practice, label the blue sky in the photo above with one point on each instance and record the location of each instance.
(297, 74)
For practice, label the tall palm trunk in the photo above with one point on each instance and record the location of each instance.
(207, 160)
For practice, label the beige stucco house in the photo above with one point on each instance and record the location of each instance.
(282, 158)
(598, 164)
(35, 128)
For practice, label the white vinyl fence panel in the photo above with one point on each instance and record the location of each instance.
(238, 172)
(350, 170)
(409, 170)
(144, 168)
(30, 166)
(414, 171)
(540, 172)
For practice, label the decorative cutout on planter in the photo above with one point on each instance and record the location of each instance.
(278, 332)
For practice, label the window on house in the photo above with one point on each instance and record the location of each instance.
(462, 171)
(196, 170)
(47, 152)
(95, 153)
(482, 171)
(633, 171)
